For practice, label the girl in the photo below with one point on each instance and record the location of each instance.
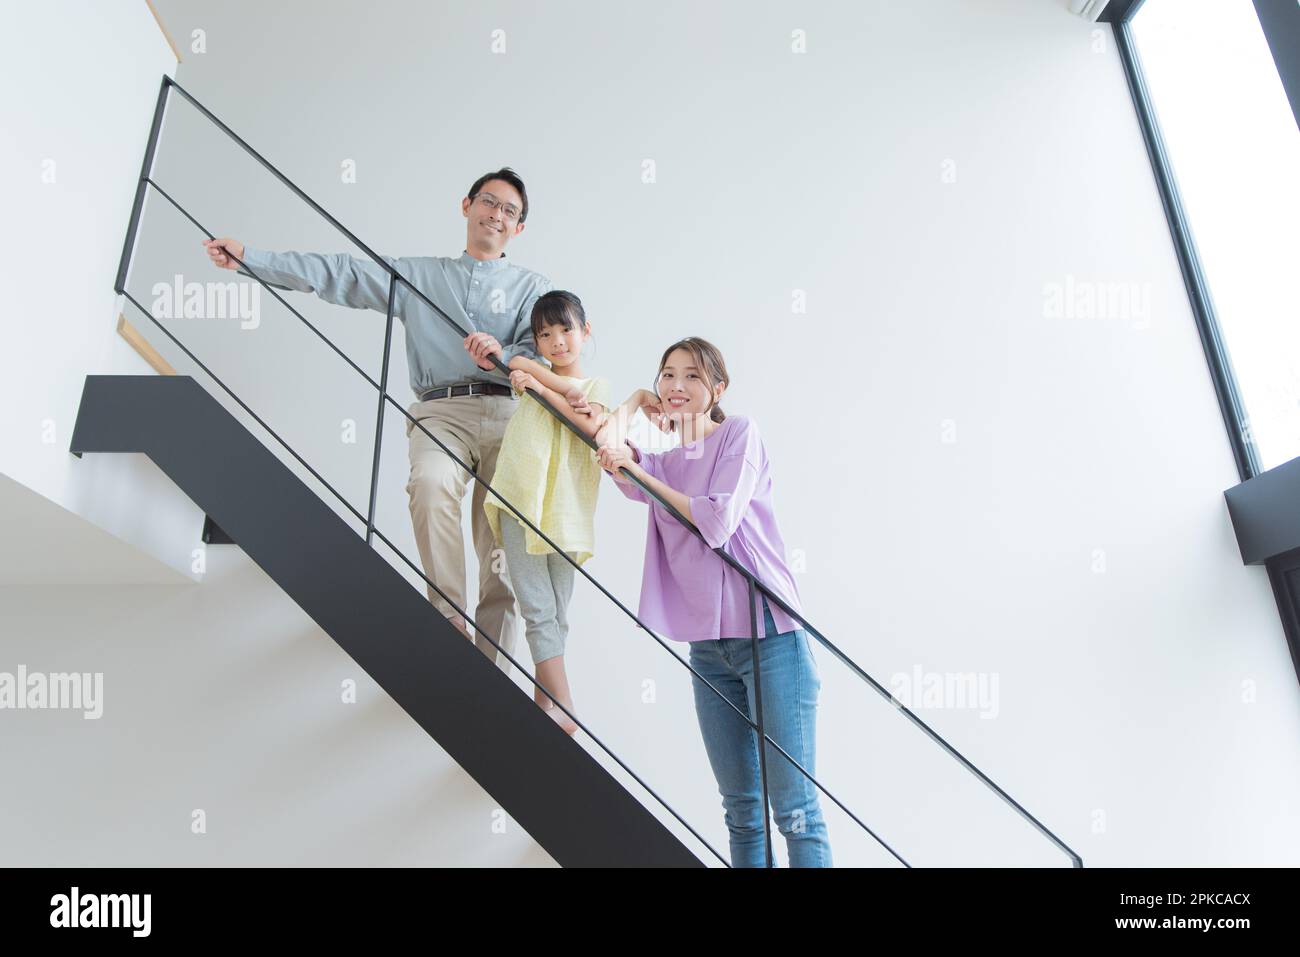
(719, 478)
(547, 473)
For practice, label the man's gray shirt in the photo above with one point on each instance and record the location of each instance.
(493, 296)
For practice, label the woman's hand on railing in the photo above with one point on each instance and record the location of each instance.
(615, 457)
(224, 251)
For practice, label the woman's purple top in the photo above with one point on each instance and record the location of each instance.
(688, 593)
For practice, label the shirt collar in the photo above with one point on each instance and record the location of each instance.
(469, 262)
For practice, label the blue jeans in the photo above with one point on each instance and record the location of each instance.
(790, 686)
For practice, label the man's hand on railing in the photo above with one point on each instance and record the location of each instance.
(480, 346)
(221, 251)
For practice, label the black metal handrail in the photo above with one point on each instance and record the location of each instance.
(372, 531)
(755, 585)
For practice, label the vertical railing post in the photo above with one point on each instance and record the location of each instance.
(769, 860)
(379, 416)
(146, 170)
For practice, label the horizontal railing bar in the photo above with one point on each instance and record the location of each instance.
(267, 286)
(352, 237)
(277, 174)
(244, 405)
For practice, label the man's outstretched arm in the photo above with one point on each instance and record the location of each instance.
(337, 278)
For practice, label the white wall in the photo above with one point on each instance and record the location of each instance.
(974, 485)
(82, 78)
(45, 544)
(224, 698)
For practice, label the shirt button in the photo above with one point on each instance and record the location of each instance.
(471, 315)
(476, 282)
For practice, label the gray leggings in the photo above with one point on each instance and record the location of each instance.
(543, 584)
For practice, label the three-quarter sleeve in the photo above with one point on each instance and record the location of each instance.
(717, 515)
(736, 475)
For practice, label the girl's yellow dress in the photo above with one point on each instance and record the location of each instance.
(549, 475)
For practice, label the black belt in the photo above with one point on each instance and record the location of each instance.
(467, 388)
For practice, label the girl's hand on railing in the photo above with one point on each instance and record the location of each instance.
(221, 250)
(577, 399)
(522, 380)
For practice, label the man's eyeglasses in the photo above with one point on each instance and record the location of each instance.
(509, 210)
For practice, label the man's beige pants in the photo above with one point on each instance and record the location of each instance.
(472, 427)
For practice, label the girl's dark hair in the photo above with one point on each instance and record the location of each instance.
(709, 360)
(559, 307)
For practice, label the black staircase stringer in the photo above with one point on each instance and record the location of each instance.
(544, 780)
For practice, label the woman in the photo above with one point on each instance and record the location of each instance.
(719, 479)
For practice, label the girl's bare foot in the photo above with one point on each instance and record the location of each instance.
(562, 719)
(550, 675)
(558, 716)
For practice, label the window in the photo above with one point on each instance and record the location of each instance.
(1233, 149)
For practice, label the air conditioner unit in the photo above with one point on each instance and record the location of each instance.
(1088, 9)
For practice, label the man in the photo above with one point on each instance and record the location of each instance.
(461, 398)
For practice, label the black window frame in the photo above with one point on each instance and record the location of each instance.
(1265, 504)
